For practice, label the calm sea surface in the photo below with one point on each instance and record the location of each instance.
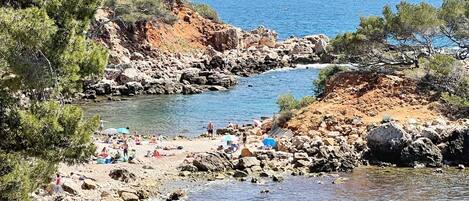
(300, 17)
(368, 183)
(252, 98)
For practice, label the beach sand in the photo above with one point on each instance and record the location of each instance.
(163, 169)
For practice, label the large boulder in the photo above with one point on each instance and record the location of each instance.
(421, 151)
(225, 39)
(320, 42)
(387, 141)
(212, 161)
(131, 75)
(248, 162)
(88, 184)
(127, 196)
(71, 186)
(104, 87)
(456, 150)
(122, 175)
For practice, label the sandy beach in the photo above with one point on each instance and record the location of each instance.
(149, 172)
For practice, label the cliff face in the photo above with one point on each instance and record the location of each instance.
(193, 55)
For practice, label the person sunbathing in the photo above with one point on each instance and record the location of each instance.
(104, 153)
(137, 140)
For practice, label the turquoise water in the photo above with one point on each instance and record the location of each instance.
(363, 184)
(252, 98)
(300, 17)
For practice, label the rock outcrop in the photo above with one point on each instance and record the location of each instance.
(149, 64)
(421, 151)
(387, 141)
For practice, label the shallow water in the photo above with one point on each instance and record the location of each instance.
(300, 17)
(252, 98)
(369, 183)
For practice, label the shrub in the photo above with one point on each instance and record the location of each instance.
(439, 65)
(205, 11)
(283, 117)
(324, 75)
(287, 102)
(305, 101)
(387, 119)
(131, 11)
(455, 101)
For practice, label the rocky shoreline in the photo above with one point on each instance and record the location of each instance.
(436, 145)
(137, 67)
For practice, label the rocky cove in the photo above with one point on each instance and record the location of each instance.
(366, 121)
(142, 64)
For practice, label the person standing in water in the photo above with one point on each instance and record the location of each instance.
(210, 128)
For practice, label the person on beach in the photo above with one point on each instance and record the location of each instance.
(156, 154)
(58, 184)
(153, 140)
(104, 153)
(125, 147)
(210, 128)
(137, 140)
(101, 125)
(245, 138)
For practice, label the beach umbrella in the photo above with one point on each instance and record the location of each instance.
(269, 142)
(227, 138)
(123, 130)
(110, 131)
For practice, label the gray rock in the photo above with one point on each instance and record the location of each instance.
(248, 162)
(387, 141)
(212, 161)
(122, 175)
(431, 134)
(126, 196)
(70, 186)
(277, 178)
(239, 173)
(177, 195)
(421, 151)
(88, 184)
(457, 147)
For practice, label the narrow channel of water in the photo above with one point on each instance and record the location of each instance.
(252, 98)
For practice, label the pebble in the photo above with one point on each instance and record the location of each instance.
(265, 191)
(461, 167)
(438, 170)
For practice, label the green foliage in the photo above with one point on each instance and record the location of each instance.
(403, 36)
(45, 45)
(440, 65)
(287, 102)
(324, 75)
(455, 14)
(44, 54)
(205, 11)
(132, 11)
(455, 101)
